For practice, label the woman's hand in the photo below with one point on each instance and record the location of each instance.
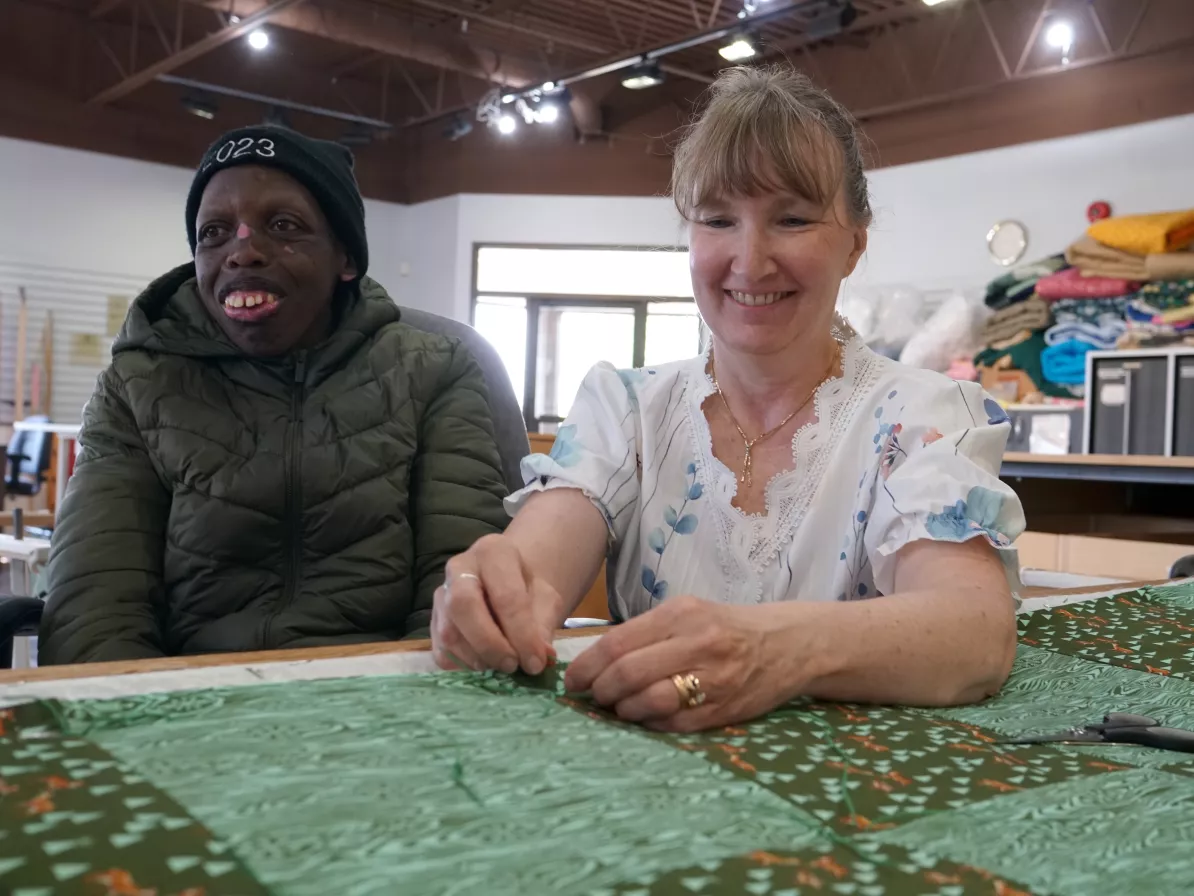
(493, 612)
(731, 651)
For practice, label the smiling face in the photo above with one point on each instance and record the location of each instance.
(771, 182)
(766, 268)
(267, 261)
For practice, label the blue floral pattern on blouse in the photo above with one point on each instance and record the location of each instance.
(981, 512)
(564, 451)
(678, 522)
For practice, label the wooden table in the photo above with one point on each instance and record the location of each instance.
(1100, 467)
(174, 663)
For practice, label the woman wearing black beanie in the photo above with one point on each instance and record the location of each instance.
(272, 459)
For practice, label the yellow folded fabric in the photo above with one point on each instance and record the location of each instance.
(1094, 259)
(1146, 234)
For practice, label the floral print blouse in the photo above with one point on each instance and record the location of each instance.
(896, 454)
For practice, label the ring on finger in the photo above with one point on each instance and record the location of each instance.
(688, 686)
(460, 575)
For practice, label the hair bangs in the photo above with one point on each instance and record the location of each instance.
(734, 153)
(769, 131)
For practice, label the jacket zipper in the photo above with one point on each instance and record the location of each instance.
(293, 507)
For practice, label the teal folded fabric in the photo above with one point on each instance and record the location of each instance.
(1065, 363)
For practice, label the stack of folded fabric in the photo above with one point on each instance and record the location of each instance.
(1013, 335)
(1156, 249)
(1019, 283)
(1088, 314)
(1160, 314)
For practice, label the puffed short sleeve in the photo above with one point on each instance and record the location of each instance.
(595, 451)
(939, 480)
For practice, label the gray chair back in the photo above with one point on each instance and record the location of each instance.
(508, 424)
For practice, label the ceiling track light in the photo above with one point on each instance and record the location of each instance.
(643, 69)
(832, 22)
(741, 46)
(645, 74)
(1060, 35)
(458, 127)
(200, 106)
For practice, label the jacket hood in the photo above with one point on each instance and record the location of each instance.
(169, 318)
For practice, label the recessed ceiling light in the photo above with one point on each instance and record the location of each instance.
(259, 39)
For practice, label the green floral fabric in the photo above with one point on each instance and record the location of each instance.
(458, 784)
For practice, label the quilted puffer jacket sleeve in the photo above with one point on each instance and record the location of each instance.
(105, 574)
(457, 485)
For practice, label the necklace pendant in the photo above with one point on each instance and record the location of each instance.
(745, 478)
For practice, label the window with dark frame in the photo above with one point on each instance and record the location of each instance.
(549, 340)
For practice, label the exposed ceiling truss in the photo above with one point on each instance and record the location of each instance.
(414, 69)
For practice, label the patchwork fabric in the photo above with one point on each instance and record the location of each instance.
(458, 783)
(1150, 630)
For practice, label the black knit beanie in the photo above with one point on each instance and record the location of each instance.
(322, 167)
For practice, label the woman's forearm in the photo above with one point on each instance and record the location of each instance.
(929, 648)
(562, 539)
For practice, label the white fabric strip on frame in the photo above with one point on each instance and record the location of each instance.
(347, 667)
(235, 676)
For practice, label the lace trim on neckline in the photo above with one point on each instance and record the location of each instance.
(748, 543)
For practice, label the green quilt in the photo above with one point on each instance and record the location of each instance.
(456, 783)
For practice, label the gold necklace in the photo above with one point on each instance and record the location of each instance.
(745, 476)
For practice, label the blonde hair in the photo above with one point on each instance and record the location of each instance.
(770, 129)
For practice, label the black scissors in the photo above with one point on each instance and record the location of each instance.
(1117, 728)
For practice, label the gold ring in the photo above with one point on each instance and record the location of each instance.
(689, 688)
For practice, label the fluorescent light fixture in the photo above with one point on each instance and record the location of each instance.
(1060, 35)
(259, 39)
(740, 49)
(199, 106)
(934, 2)
(507, 124)
(642, 76)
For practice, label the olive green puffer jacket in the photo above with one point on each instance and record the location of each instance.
(227, 503)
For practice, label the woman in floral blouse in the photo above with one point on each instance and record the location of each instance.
(753, 500)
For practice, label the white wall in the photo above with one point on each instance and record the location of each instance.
(931, 218)
(92, 212)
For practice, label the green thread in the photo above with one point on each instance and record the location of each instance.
(458, 780)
